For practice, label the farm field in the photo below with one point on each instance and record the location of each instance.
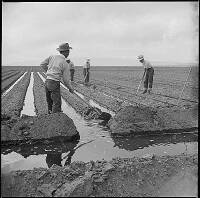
(110, 89)
(124, 81)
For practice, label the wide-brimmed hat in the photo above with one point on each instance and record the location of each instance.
(64, 47)
(140, 57)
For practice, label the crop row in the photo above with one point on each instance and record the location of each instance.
(7, 73)
(8, 82)
(160, 90)
(5, 77)
(168, 82)
(40, 102)
(124, 95)
(12, 103)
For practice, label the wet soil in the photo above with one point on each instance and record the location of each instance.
(37, 128)
(149, 121)
(150, 176)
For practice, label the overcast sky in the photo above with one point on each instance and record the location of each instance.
(109, 33)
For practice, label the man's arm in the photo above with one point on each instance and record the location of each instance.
(66, 80)
(44, 64)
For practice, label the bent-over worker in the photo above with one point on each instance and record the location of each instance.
(56, 68)
(148, 74)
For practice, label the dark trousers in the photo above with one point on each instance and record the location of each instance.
(86, 74)
(72, 74)
(148, 81)
(53, 95)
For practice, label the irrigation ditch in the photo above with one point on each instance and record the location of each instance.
(96, 142)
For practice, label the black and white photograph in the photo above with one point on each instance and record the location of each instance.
(100, 99)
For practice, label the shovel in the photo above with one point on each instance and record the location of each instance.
(184, 86)
(140, 83)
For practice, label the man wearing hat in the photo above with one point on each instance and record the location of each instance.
(148, 74)
(56, 68)
(86, 73)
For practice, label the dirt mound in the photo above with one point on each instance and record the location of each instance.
(136, 119)
(120, 177)
(96, 113)
(41, 127)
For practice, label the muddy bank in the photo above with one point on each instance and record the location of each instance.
(12, 106)
(149, 121)
(37, 128)
(143, 177)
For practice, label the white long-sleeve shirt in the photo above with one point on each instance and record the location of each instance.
(55, 66)
(86, 65)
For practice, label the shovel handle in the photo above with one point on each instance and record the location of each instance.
(140, 82)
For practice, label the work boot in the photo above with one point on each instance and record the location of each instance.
(145, 91)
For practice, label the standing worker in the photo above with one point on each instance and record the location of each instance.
(148, 74)
(86, 68)
(56, 68)
(72, 69)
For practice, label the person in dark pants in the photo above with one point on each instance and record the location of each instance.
(68, 147)
(56, 68)
(86, 71)
(72, 69)
(148, 74)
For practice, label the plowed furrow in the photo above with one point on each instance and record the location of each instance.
(12, 103)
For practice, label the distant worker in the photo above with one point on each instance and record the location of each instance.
(72, 69)
(86, 73)
(148, 74)
(56, 68)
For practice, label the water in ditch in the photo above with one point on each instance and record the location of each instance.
(96, 143)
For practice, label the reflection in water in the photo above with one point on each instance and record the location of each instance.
(134, 143)
(56, 158)
(53, 149)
